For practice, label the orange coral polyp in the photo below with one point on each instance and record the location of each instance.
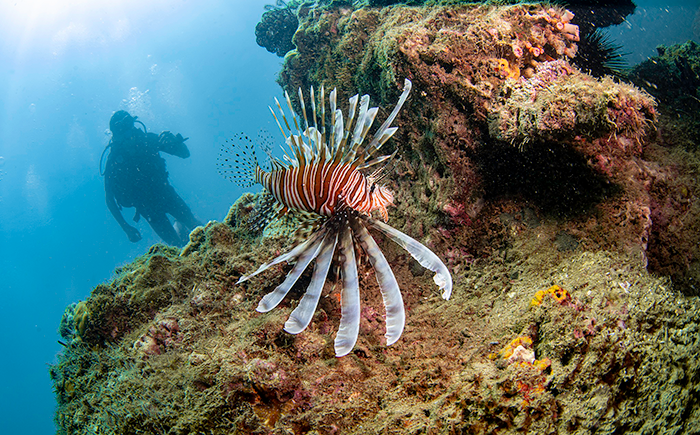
(542, 364)
(558, 294)
(523, 340)
(514, 73)
(535, 51)
(506, 70)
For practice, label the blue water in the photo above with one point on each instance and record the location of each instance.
(185, 66)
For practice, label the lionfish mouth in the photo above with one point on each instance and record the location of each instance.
(321, 163)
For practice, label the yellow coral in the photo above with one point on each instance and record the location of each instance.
(537, 300)
(559, 294)
(507, 351)
(507, 70)
(81, 315)
(542, 364)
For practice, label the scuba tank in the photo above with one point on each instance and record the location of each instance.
(121, 120)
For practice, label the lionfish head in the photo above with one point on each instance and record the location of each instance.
(381, 197)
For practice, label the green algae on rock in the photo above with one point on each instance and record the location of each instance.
(470, 65)
(557, 103)
(207, 362)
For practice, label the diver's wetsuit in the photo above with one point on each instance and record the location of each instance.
(135, 176)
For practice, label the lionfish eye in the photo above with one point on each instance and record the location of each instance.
(372, 187)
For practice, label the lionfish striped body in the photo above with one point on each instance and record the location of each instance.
(318, 187)
(323, 174)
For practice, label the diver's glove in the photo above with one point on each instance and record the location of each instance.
(174, 145)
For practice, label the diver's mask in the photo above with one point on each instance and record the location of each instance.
(122, 123)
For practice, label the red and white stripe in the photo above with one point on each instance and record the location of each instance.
(317, 187)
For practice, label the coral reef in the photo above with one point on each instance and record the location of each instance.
(466, 61)
(584, 360)
(549, 194)
(674, 238)
(498, 112)
(275, 30)
(557, 102)
(135, 295)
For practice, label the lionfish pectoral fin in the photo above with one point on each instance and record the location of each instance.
(421, 253)
(272, 299)
(393, 302)
(237, 161)
(302, 314)
(349, 328)
(294, 253)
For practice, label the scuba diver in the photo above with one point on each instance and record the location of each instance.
(135, 176)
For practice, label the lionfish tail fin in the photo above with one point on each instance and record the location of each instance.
(421, 253)
(237, 161)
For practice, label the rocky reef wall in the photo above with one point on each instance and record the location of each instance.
(499, 112)
(538, 339)
(547, 192)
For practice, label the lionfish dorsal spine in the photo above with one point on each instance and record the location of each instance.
(293, 114)
(334, 116)
(323, 115)
(375, 176)
(288, 138)
(367, 123)
(338, 134)
(295, 142)
(357, 131)
(360, 129)
(386, 131)
(313, 107)
(352, 109)
(303, 110)
(284, 118)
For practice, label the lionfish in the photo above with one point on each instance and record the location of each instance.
(322, 176)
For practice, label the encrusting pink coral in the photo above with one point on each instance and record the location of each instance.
(160, 336)
(570, 30)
